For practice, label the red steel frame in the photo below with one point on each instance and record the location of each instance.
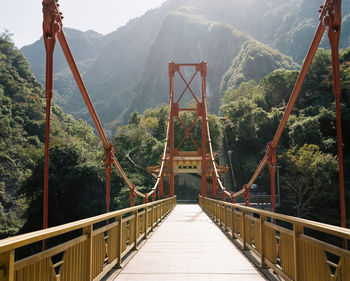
(200, 110)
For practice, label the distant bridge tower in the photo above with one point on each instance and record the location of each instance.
(179, 160)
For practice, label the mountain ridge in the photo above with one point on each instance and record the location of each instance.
(115, 74)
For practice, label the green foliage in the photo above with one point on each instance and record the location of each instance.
(22, 130)
(277, 87)
(306, 130)
(245, 117)
(76, 188)
(254, 61)
(134, 118)
(310, 183)
(141, 143)
(308, 145)
(137, 146)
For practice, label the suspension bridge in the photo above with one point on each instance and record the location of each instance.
(217, 239)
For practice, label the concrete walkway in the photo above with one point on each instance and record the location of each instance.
(189, 246)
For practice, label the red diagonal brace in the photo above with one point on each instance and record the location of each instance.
(188, 132)
(188, 87)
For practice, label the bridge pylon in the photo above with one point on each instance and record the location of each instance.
(179, 159)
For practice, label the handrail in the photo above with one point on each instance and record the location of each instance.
(292, 252)
(118, 237)
(319, 226)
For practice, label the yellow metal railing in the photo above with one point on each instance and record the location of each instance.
(284, 243)
(89, 256)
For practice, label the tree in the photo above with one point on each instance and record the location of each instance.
(305, 130)
(6, 36)
(277, 87)
(300, 194)
(311, 182)
(134, 118)
(254, 113)
(76, 189)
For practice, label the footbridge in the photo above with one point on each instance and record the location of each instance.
(216, 239)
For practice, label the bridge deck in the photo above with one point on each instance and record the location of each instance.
(189, 246)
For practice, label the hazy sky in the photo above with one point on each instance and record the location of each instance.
(23, 18)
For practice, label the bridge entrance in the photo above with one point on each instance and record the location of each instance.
(187, 187)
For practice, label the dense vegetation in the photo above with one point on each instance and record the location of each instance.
(22, 129)
(140, 143)
(253, 62)
(307, 151)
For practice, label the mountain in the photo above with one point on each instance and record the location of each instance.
(85, 47)
(185, 38)
(127, 69)
(244, 66)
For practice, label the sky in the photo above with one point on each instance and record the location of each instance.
(23, 18)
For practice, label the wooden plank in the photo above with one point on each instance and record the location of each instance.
(49, 253)
(278, 228)
(88, 230)
(325, 246)
(105, 228)
(7, 261)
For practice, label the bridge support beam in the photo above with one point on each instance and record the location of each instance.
(203, 69)
(334, 21)
(52, 25)
(172, 69)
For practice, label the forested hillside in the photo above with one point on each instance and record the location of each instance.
(307, 153)
(253, 62)
(127, 68)
(22, 130)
